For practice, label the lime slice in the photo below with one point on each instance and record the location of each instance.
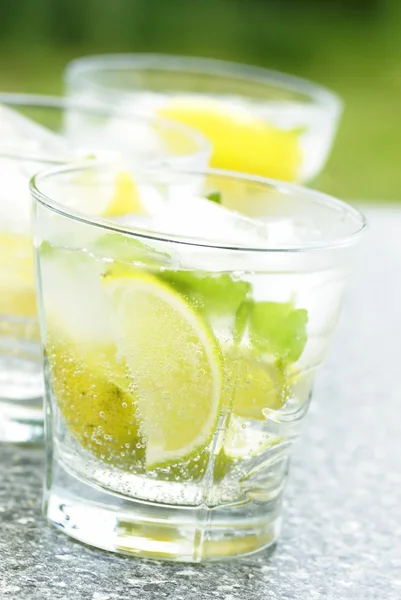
(253, 383)
(175, 365)
(91, 388)
(241, 141)
(17, 290)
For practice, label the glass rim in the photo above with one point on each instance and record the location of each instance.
(30, 100)
(320, 94)
(319, 198)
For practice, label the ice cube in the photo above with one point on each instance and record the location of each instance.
(73, 284)
(182, 213)
(316, 128)
(140, 140)
(21, 135)
(205, 220)
(111, 135)
(25, 146)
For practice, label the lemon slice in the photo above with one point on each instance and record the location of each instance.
(241, 141)
(175, 365)
(126, 199)
(253, 384)
(17, 290)
(121, 198)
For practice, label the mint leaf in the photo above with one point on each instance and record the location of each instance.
(128, 249)
(216, 294)
(279, 329)
(214, 197)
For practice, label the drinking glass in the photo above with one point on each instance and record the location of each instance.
(181, 344)
(37, 131)
(259, 121)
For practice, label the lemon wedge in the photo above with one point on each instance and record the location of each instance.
(120, 199)
(126, 199)
(241, 141)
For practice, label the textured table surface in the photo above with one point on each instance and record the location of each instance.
(341, 537)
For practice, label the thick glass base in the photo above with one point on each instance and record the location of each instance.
(139, 528)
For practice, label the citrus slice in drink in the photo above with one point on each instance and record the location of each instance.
(120, 198)
(253, 383)
(174, 362)
(242, 141)
(126, 199)
(91, 388)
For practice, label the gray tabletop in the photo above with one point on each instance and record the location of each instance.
(341, 537)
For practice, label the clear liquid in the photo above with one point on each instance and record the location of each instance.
(237, 478)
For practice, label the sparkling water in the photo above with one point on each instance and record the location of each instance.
(225, 499)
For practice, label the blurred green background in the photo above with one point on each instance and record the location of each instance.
(352, 46)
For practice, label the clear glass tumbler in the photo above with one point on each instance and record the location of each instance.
(181, 344)
(260, 122)
(37, 131)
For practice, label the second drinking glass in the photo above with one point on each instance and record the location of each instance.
(259, 122)
(37, 131)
